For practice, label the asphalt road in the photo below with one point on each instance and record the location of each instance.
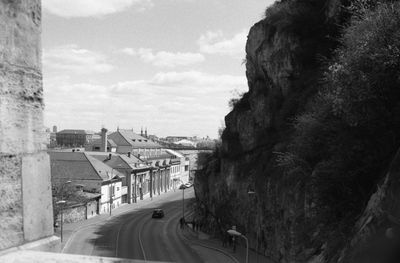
(136, 235)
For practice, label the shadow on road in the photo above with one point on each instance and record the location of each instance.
(107, 233)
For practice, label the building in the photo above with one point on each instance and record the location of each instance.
(73, 138)
(136, 183)
(179, 168)
(101, 143)
(94, 176)
(161, 173)
(176, 138)
(128, 141)
(185, 142)
(96, 146)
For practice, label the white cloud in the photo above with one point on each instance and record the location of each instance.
(164, 58)
(88, 8)
(167, 102)
(214, 42)
(71, 58)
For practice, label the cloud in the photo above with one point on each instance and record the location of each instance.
(164, 58)
(214, 42)
(71, 58)
(167, 103)
(89, 8)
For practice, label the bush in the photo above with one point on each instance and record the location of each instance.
(350, 133)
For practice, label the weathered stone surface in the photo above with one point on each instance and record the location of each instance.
(21, 104)
(25, 189)
(38, 211)
(10, 201)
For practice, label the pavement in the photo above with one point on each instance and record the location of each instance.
(206, 242)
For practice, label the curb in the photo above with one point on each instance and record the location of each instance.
(199, 243)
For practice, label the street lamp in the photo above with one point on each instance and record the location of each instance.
(182, 187)
(62, 202)
(238, 234)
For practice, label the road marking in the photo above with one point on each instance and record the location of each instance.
(122, 224)
(141, 244)
(75, 232)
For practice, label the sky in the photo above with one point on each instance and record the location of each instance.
(168, 65)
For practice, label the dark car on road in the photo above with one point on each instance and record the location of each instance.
(158, 213)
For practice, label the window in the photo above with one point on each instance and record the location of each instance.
(186, 167)
(117, 188)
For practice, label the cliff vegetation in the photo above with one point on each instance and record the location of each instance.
(305, 148)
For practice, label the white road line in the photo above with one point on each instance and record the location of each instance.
(75, 232)
(141, 244)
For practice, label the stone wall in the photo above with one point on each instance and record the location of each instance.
(25, 204)
(79, 212)
(74, 214)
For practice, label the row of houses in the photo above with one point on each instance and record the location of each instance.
(119, 168)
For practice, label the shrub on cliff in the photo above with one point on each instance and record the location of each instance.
(352, 130)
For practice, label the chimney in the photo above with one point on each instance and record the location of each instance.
(138, 156)
(129, 154)
(55, 128)
(109, 156)
(145, 133)
(103, 143)
(141, 132)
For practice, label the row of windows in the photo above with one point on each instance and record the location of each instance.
(175, 169)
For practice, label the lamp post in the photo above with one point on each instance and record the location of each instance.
(62, 202)
(238, 234)
(182, 187)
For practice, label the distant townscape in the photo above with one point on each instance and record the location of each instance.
(94, 173)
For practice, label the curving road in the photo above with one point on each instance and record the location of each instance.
(135, 235)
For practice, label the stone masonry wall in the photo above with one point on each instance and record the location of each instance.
(73, 214)
(25, 189)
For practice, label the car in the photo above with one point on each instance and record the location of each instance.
(188, 184)
(158, 213)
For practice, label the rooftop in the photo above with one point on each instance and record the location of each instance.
(72, 131)
(79, 166)
(132, 139)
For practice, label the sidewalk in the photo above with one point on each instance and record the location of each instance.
(206, 240)
(70, 228)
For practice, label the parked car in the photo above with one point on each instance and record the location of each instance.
(182, 186)
(158, 213)
(189, 184)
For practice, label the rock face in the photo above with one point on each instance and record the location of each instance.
(245, 187)
(245, 183)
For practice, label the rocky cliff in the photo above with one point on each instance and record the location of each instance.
(269, 177)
